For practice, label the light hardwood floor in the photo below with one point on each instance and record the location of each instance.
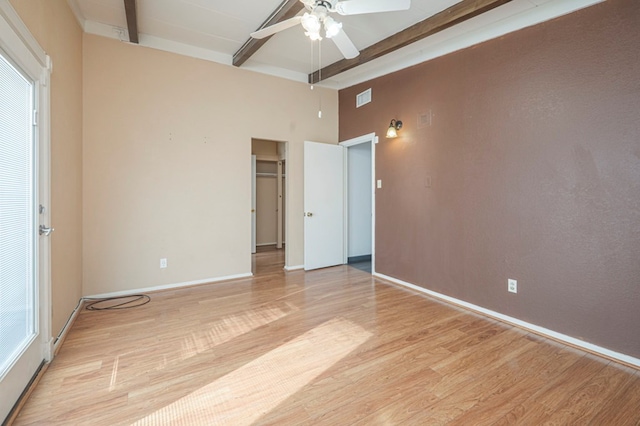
(334, 347)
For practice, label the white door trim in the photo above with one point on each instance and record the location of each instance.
(253, 204)
(285, 203)
(373, 140)
(287, 192)
(44, 165)
(360, 139)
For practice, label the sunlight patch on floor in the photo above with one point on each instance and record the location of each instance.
(248, 393)
(201, 340)
(232, 326)
(114, 374)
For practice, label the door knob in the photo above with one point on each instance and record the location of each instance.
(45, 231)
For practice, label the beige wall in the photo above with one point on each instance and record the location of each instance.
(55, 28)
(167, 145)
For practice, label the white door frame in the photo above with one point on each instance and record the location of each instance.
(23, 49)
(285, 203)
(253, 204)
(372, 139)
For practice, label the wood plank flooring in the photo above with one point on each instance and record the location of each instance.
(328, 347)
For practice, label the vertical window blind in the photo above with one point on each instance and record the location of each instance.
(17, 214)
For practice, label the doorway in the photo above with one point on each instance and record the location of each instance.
(360, 202)
(339, 200)
(269, 195)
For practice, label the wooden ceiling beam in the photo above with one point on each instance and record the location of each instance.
(132, 20)
(288, 9)
(454, 15)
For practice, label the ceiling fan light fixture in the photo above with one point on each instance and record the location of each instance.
(331, 27)
(311, 23)
(313, 36)
(317, 22)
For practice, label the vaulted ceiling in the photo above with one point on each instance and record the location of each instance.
(219, 30)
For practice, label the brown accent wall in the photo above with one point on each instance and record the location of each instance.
(55, 28)
(533, 158)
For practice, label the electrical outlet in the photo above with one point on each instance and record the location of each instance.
(163, 262)
(512, 285)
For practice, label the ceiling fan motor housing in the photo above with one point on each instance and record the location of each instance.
(322, 6)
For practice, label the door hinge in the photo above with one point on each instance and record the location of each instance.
(35, 117)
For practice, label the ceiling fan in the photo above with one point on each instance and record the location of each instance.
(318, 17)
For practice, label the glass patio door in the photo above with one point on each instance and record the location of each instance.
(22, 348)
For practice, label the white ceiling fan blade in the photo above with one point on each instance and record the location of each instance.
(345, 45)
(357, 7)
(276, 28)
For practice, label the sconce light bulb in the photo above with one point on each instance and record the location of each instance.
(394, 126)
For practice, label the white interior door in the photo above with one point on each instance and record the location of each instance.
(323, 205)
(24, 308)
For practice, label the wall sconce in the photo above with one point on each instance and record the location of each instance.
(395, 125)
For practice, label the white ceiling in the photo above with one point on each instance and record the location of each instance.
(216, 29)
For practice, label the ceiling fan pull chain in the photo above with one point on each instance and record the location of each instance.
(312, 59)
(320, 79)
(320, 61)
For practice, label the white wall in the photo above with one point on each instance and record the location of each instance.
(359, 201)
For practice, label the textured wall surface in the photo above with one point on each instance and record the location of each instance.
(520, 158)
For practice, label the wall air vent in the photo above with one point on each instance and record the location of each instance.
(363, 98)
(425, 119)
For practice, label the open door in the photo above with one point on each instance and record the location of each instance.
(323, 205)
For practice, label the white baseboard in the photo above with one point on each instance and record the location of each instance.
(50, 349)
(57, 341)
(589, 347)
(168, 286)
(267, 244)
(293, 268)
